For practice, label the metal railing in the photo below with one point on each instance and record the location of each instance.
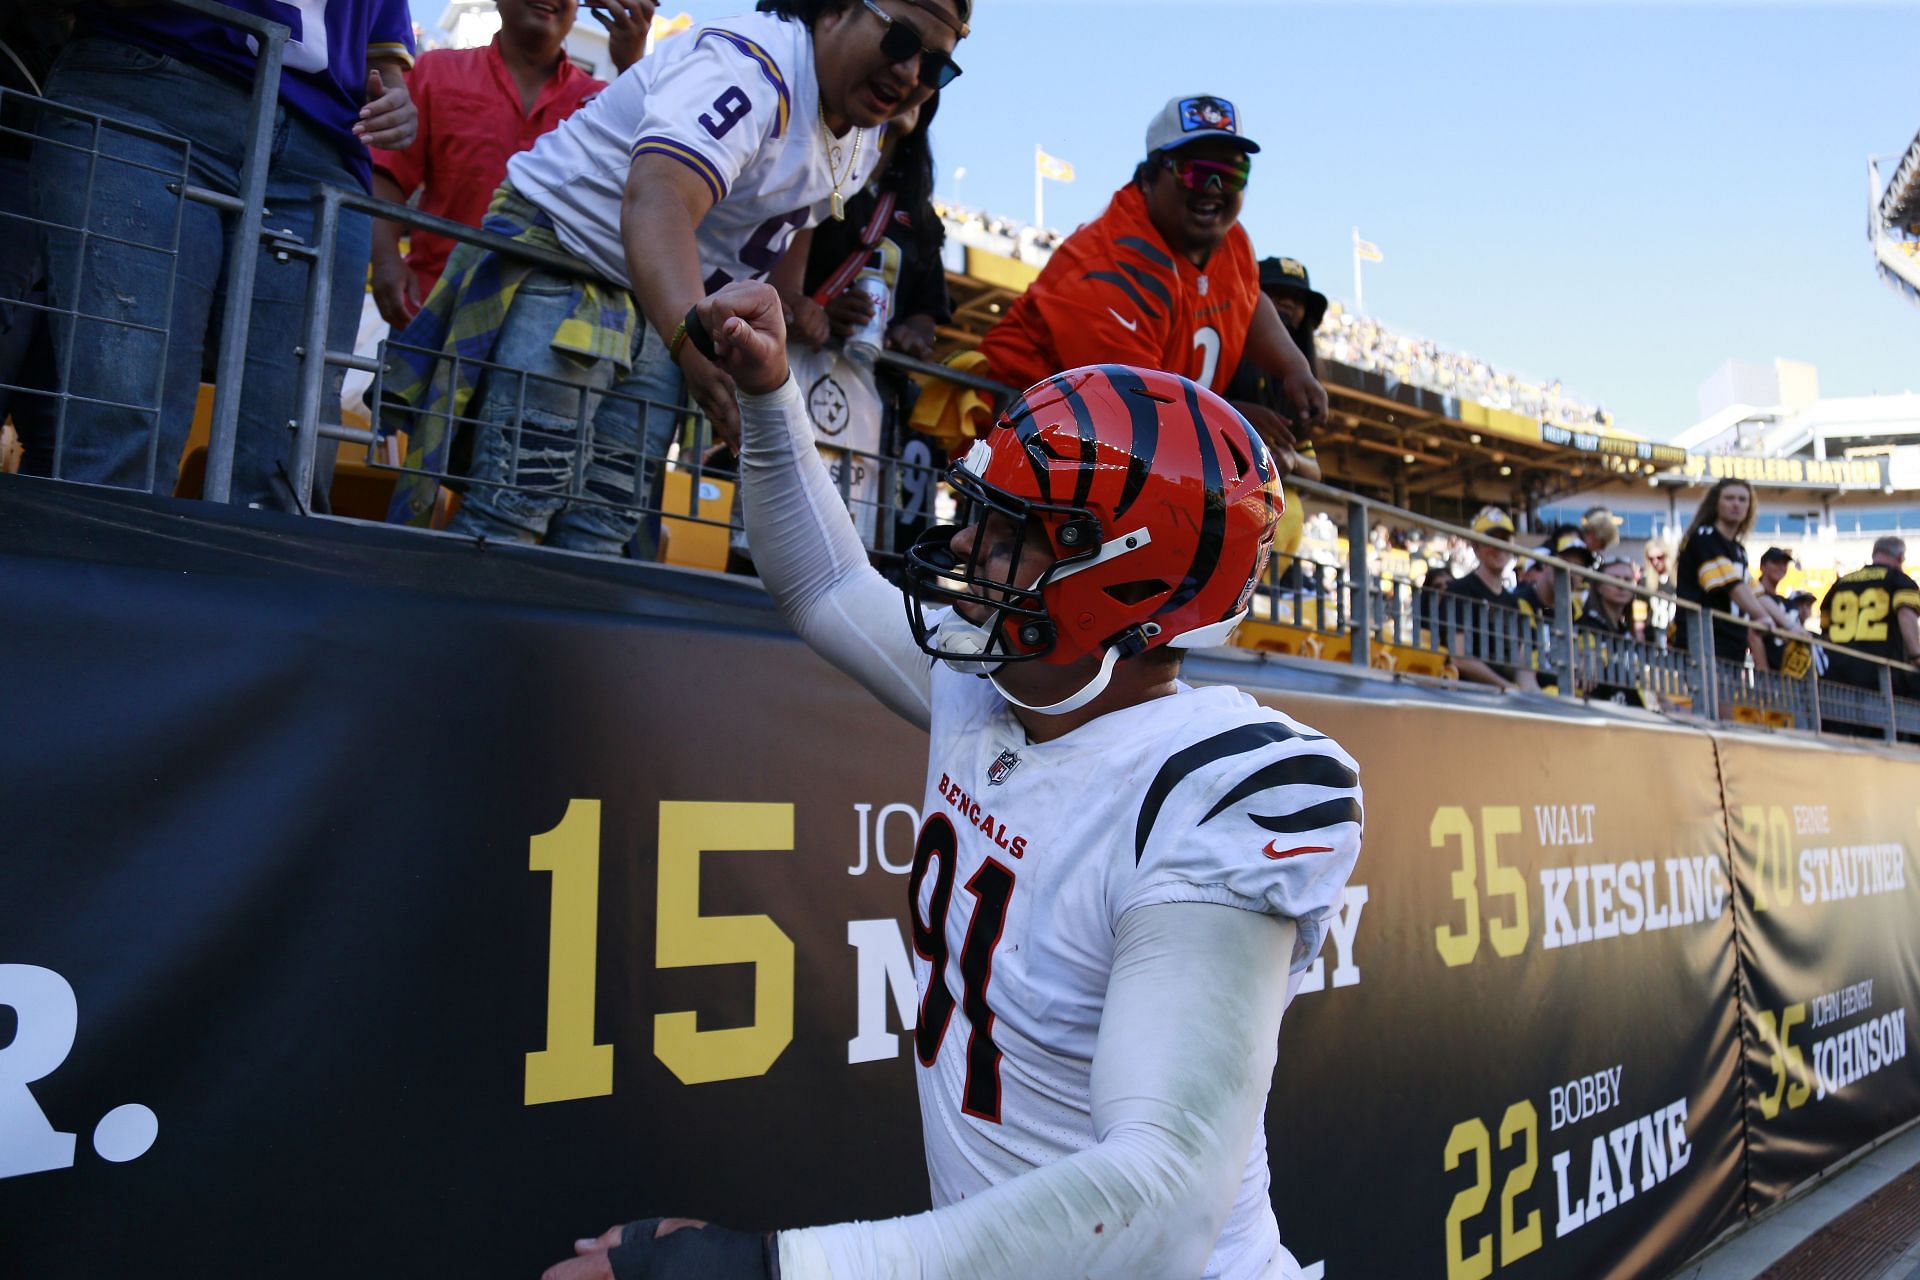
(1351, 612)
(249, 210)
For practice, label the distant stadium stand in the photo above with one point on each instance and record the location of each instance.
(1893, 222)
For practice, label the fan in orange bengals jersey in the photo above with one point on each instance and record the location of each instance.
(1121, 879)
(1164, 278)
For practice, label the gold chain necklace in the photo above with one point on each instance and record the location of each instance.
(836, 207)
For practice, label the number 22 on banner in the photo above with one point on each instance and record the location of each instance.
(572, 1065)
(1517, 1240)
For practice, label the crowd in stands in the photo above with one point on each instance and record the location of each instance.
(1005, 236)
(553, 400)
(1364, 343)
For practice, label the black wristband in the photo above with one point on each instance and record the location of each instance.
(692, 1253)
(697, 333)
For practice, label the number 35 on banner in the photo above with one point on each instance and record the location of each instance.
(572, 1065)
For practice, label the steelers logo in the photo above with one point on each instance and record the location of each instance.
(827, 404)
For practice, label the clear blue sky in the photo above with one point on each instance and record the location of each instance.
(1618, 196)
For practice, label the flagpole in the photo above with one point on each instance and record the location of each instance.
(1038, 178)
(1359, 299)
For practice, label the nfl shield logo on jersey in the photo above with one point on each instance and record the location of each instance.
(998, 771)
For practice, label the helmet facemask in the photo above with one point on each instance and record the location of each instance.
(1008, 532)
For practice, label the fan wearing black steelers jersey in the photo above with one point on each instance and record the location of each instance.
(1712, 572)
(1875, 610)
(1102, 966)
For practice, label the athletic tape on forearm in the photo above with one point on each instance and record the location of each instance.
(806, 550)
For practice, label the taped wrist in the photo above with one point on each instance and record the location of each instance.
(693, 1253)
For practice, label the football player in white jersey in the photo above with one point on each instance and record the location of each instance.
(694, 168)
(1120, 879)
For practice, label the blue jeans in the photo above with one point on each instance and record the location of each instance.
(551, 434)
(156, 261)
(26, 354)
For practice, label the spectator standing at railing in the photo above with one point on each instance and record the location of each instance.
(1875, 610)
(1712, 573)
(694, 169)
(1164, 278)
(478, 108)
(160, 68)
(890, 228)
(1476, 608)
(1774, 563)
(1600, 530)
(1536, 597)
(1258, 395)
(1658, 577)
(30, 39)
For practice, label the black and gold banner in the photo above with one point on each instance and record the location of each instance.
(1829, 913)
(372, 905)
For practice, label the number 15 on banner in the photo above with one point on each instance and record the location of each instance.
(572, 1065)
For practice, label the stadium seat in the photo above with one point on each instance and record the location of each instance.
(700, 542)
(1407, 660)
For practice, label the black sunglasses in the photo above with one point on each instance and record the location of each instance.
(901, 43)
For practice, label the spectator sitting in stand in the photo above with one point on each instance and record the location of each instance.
(1478, 611)
(1607, 616)
(478, 108)
(1536, 596)
(183, 80)
(1801, 603)
(1774, 563)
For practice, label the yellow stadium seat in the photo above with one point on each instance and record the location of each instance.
(1411, 661)
(1298, 642)
(695, 543)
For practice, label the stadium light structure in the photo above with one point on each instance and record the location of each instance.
(1893, 221)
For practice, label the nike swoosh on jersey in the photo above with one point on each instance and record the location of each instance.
(1133, 326)
(1277, 854)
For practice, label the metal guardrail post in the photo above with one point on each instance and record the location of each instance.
(1359, 586)
(1700, 637)
(313, 348)
(1813, 685)
(1563, 624)
(1893, 708)
(243, 256)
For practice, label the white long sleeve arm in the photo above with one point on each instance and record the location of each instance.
(810, 557)
(1181, 1069)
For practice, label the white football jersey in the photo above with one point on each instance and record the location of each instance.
(1029, 855)
(736, 102)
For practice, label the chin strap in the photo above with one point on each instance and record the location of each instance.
(1087, 692)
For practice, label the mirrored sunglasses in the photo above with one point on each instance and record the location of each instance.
(1200, 175)
(901, 43)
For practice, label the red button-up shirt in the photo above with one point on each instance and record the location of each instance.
(471, 124)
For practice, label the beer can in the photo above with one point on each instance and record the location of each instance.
(864, 343)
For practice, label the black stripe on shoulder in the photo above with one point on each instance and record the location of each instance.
(1181, 765)
(1328, 813)
(1150, 282)
(1125, 286)
(1145, 250)
(1310, 770)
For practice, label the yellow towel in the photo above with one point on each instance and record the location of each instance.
(948, 412)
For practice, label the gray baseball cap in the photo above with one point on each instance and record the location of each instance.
(1185, 120)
